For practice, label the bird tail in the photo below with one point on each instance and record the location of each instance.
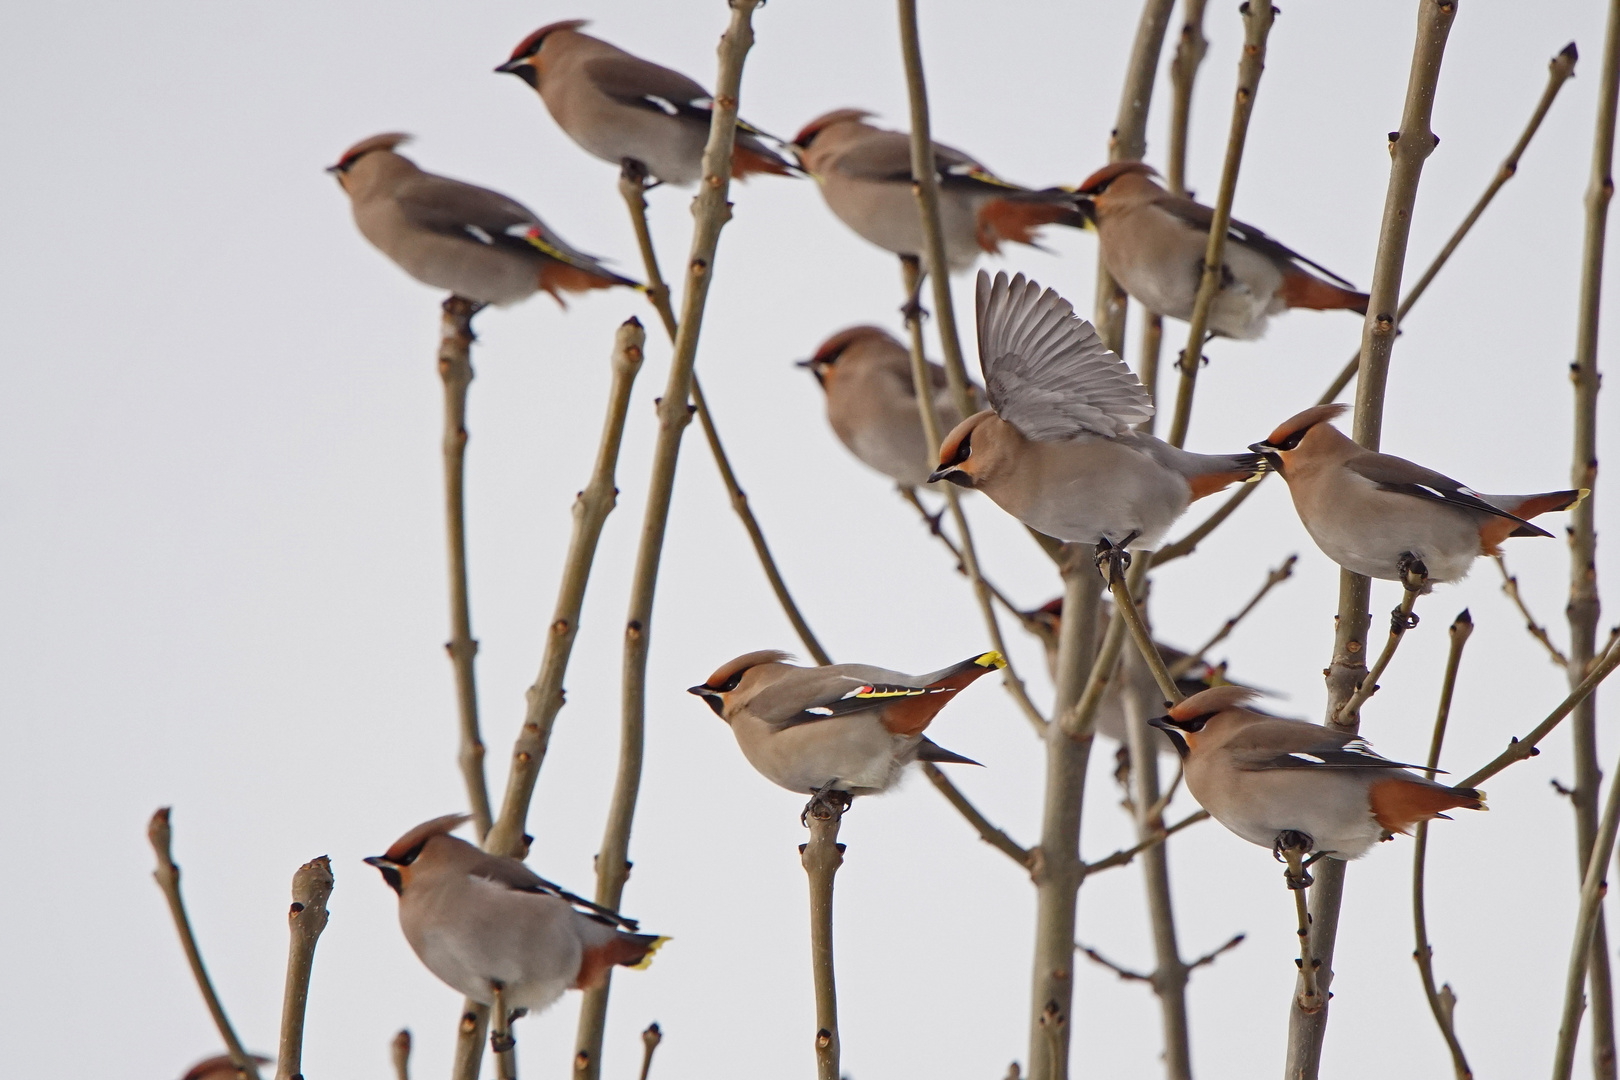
(1302, 290)
(929, 750)
(1019, 215)
(1224, 470)
(1400, 802)
(1525, 507)
(648, 945)
(750, 156)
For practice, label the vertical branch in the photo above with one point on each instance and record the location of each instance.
(1584, 608)
(1057, 868)
(1442, 1002)
(1594, 885)
(455, 369)
(822, 857)
(1190, 51)
(711, 211)
(1257, 19)
(591, 508)
(501, 1042)
(633, 186)
(311, 888)
(1410, 147)
(167, 876)
(1128, 142)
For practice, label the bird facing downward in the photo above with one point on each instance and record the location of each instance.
(477, 243)
(872, 401)
(1376, 514)
(842, 729)
(481, 922)
(864, 173)
(1056, 449)
(1153, 244)
(1263, 777)
(620, 107)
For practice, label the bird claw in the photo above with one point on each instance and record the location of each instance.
(1290, 847)
(1401, 620)
(1414, 572)
(1115, 557)
(826, 804)
(501, 1043)
(913, 311)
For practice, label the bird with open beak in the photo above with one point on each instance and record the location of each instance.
(1056, 448)
(1381, 516)
(1288, 783)
(485, 923)
(836, 731)
(1153, 243)
(872, 401)
(620, 108)
(477, 243)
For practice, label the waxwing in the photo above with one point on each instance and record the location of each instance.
(219, 1067)
(477, 243)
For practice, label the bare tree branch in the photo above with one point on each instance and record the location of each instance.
(311, 888)
(1257, 18)
(1400, 621)
(167, 876)
(710, 214)
(1273, 579)
(399, 1051)
(1593, 888)
(1125, 973)
(633, 186)
(991, 835)
(1410, 148)
(649, 1042)
(455, 370)
(822, 857)
(1510, 586)
(1442, 1003)
(1125, 855)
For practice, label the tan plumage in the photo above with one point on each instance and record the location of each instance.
(618, 106)
(477, 243)
(872, 401)
(1056, 448)
(476, 919)
(848, 728)
(1153, 244)
(1372, 512)
(1262, 776)
(864, 173)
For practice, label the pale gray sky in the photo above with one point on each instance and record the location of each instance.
(226, 591)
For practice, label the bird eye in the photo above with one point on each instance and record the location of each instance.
(730, 684)
(1293, 440)
(1196, 723)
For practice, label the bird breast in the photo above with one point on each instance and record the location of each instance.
(855, 750)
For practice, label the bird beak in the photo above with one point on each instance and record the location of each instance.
(511, 67)
(1163, 723)
(953, 474)
(810, 363)
(381, 862)
(1269, 453)
(1260, 448)
(335, 169)
(701, 691)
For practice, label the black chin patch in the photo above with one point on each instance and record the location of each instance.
(960, 479)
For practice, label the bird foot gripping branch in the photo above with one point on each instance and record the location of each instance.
(826, 805)
(1291, 848)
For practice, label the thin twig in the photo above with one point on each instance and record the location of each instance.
(1410, 148)
(991, 835)
(1519, 749)
(1562, 66)
(1125, 605)
(590, 511)
(1583, 609)
(311, 888)
(1125, 973)
(649, 1042)
(1273, 579)
(1010, 678)
(633, 186)
(822, 857)
(167, 875)
(455, 370)
(1594, 886)
(1510, 586)
(1400, 621)
(711, 211)
(1442, 1003)
(1125, 855)
(1257, 19)
(1190, 51)
(1214, 954)
(910, 496)
(399, 1051)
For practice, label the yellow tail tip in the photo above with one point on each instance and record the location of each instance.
(991, 659)
(646, 961)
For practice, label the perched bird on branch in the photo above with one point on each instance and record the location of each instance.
(837, 731)
(864, 173)
(1109, 720)
(477, 243)
(479, 921)
(1056, 449)
(1384, 516)
(1153, 244)
(872, 401)
(1291, 784)
(620, 107)
(220, 1067)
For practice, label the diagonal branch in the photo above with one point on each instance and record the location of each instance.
(1257, 19)
(167, 875)
(633, 186)
(1125, 855)
(991, 835)
(1273, 579)
(1510, 586)
(1442, 1003)
(1400, 621)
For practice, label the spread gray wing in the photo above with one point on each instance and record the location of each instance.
(1045, 370)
